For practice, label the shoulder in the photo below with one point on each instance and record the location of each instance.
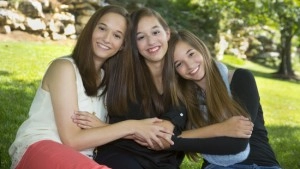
(240, 74)
(61, 64)
(59, 70)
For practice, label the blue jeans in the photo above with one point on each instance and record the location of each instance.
(241, 166)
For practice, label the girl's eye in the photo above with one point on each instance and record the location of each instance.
(101, 28)
(177, 65)
(191, 54)
(140, 37)
(117, 36)
(156, 32)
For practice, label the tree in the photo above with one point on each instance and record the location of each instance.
(288, 14)
(283, 14)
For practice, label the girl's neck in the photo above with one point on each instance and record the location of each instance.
(201, 83)
(98, 63)
(156, 73)
(98, 66)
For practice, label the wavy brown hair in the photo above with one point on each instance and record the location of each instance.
(220, 105)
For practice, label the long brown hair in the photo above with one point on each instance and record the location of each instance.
(220, 104)
(153, 103)
(83, 51)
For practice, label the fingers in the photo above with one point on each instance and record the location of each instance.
(84, 115)
(167, 132)
(155, 136)
(166, 136)
(239, 126)
(247, 131)
(142, 143)
(149, 142)
(85, 120)
(158, 142)
(153, 120)
(84, 126)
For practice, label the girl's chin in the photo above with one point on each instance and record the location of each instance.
(199, 78)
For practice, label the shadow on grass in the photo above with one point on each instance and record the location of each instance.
(4, 73)
(16, 97)
(266, 75)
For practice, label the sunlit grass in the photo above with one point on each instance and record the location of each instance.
(280, 102)
(22, 65)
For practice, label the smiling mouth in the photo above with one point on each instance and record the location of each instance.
(153, 50)
(194, 70)
(103, 46)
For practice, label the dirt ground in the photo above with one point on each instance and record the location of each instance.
(21, 36)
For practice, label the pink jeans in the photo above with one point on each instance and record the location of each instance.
(48, 154)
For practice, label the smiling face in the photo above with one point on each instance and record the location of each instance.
(189, 62)
(108, 35)
(152, 39)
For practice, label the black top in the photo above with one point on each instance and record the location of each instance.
(244, 90)
(149, 159)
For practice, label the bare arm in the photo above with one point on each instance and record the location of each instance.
(237, 126)
(60, 82)
(87, 120)
(164, 141)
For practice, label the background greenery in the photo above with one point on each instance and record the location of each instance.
(22, 66)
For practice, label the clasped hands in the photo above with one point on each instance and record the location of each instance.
(153, 133)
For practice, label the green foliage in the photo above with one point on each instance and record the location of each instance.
(200, 18)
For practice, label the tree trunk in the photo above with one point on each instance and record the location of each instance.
(285, 68)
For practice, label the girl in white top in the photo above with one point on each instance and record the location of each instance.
(49, 138)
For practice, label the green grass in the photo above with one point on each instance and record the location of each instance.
(22, 66)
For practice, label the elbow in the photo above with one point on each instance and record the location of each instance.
(71, 142)
(241, 144)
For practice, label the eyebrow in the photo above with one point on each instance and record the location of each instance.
(188, 51)
(100, 23)
(154, 27)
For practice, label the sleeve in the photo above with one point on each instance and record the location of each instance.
(214, 146)
(244, 90)
(227, 160)
(178, 117)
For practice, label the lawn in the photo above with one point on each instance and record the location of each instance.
(22, 66)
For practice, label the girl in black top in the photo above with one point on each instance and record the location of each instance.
(198, 73)
(154, 94)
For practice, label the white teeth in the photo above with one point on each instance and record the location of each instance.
(195, 70)
(103, 46)
(153, 49)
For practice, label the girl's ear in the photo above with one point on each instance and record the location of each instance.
(168, 32)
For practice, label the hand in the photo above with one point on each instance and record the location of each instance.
(237, 126)
(151, 135)
(155, 146)
(86, 120)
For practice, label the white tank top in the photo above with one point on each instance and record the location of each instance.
(40, 124)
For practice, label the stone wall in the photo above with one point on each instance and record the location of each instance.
(51, 19)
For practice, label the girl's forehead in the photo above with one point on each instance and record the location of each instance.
(148, 23)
